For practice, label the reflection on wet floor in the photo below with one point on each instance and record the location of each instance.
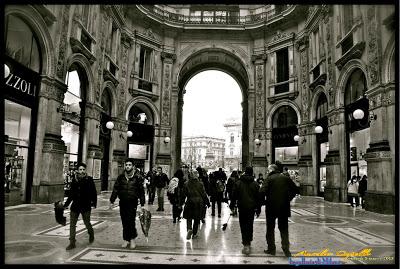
(33, 236)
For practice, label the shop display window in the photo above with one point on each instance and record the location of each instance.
(17, 129)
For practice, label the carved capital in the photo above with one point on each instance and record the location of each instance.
(168, 55)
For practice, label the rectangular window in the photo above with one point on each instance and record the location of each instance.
(286, 154)
(144, 63)
(282, 70)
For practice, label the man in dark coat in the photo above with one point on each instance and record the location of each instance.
(129, 189)
(362, 188)
(151, 188)
(279, 190)
(83, 196)
(161, 182)
(245, 195)
(196, 201)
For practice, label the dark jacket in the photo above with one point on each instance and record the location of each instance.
(196, 199)
(82, 194)
(245, 193)
(362, 187)
(161, 181)
(229, 186)
(279, 190)
(128, 191)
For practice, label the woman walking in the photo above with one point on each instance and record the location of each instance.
(352, 191)
(175, 194)
(196, 200)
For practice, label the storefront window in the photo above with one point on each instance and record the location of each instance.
(359, 142)
(286, 154)
(17, 128)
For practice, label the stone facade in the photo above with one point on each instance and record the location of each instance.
(110, 45)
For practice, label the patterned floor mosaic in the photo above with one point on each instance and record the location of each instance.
(63, 231)
(33, 236)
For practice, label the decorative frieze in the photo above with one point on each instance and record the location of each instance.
(372, 48)
(120, 125)
(63, 43)
(52, 89)
(94, 152)
(92, 111)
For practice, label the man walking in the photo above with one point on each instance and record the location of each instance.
(83, 196)
(151, 188)
(161, 182)
(279, 190)
(129, 189)
(245, 194)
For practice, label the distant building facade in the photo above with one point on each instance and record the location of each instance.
(205, 151)
(233, 144)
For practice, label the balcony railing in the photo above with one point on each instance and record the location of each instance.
(216, 19)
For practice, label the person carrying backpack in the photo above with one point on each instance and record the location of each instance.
(217, 188)
(174, 194)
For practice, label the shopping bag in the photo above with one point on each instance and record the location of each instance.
(59, 213)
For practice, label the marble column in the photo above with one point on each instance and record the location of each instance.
(305, 163)
(381, 189)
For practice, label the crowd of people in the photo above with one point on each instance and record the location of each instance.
(192, 192)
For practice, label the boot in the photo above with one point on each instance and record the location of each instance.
(71, 245)
(91, 238)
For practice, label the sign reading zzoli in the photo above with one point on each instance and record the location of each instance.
(21, 83)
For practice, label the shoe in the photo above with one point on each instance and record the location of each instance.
(246, 250)
(213, 215)
(162, 209)
(71, 246)
(133, 244)
(158, 209)
(270, 251)
(91, 238)
(195, 236)
(189, 235)
(125, 244)
(287, 253)
(203, 221)
(219, 216)
(174, 221)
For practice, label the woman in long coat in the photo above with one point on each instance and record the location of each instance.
(175, 193)
(196, 200)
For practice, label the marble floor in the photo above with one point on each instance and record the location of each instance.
(32, 236)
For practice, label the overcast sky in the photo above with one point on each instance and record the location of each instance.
(211, 97)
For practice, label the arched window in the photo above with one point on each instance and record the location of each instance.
(322, 106)
(355, 87)
(22, 44)
(284, 117)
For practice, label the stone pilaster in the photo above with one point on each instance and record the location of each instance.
(333, 191)
(48, 180)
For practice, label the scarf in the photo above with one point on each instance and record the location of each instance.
(173, 184)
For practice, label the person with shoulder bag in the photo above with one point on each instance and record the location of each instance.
(83, 196)
(352, 191)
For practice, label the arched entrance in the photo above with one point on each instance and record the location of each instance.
(322, 140)
(73, 121)
(284, 129)
(105, 137)
(141, 143)
(214, 59)
(357, 124)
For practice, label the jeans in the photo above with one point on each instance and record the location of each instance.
(160, 197)
(246, 221)
(195, 228)
(74, 219)
(128, 216)
(283, 228)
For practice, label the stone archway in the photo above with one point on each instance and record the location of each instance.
(216, 59)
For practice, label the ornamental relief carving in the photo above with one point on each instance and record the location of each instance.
(373, 58)
(304, 83)
(165, 119)
(375, 101)
(63, 43)
(260, 96)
